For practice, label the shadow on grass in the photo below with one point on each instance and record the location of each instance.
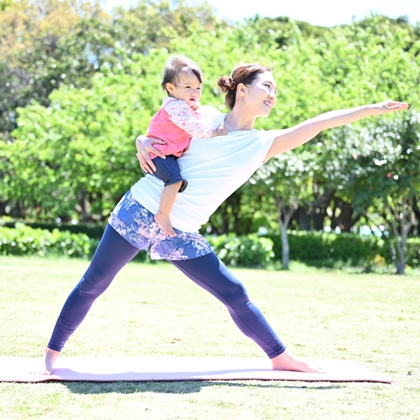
(182, 387)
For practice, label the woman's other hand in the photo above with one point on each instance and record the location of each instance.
(144, 148)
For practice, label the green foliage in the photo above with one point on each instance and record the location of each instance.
(412, 252)
(313, 248)
(281, 31)
(243, 251)
(323, 249)
(46, 43)
(383, 162)
(151, 24)
(24, 240)
(92, 230)
(381, 174)
(77, 156)
(370, 62)
(80, 85)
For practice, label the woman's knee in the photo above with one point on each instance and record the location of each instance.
(235, 294)
(93, 284)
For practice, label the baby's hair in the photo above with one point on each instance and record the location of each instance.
(179, 64)
(245, 74)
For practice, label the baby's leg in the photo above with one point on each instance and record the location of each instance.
(167, 200)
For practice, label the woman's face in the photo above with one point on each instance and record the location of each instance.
(262, 94)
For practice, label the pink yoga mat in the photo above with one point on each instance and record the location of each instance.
(110, 369)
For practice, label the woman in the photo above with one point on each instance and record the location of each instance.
(214, 168)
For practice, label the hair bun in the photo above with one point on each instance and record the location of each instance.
(226, 83)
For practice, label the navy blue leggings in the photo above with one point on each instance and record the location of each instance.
(114, 252)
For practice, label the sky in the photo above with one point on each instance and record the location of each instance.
(315, 12)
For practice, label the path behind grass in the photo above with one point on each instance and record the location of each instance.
(153, 310)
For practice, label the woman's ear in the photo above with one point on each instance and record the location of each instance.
(241, 89)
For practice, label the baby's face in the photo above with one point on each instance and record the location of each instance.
(186, 88)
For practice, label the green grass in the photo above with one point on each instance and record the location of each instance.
(154, 310)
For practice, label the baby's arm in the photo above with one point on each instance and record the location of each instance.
(183, 116)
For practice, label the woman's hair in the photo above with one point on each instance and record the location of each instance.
(179, 64)
(246, 74)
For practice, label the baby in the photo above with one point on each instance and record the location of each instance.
(176, 122)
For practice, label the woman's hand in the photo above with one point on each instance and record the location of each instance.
(144, 148)
(388, 106)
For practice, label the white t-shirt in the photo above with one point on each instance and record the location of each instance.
(214, 168)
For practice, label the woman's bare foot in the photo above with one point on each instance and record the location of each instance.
(288, 361)
(50, 356)
(165, 224)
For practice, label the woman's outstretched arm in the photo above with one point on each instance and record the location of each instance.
(295, 136)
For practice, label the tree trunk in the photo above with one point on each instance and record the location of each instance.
(401, 241)
(303, 217)
(319, 207)
(285, 251)
(83, 207)
(318, 217)
(406, 212)
(416, 212)
(3, 205)
(345, 220)
(21, 209)
(285, 215)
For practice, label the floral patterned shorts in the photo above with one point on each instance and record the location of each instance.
(137, 225)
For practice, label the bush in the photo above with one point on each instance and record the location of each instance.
(412, 253)
(93, 230)
(24, 240)
(318, 249)
(243, 251)
(323, 249)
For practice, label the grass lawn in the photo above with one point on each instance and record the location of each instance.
(154, 310)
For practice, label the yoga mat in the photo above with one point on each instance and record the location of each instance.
(110, 369)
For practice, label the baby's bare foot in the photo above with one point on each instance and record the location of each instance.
(50, 357)
(288, 361)
(165, 224)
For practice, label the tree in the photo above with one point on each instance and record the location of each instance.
(383, 174)
(152, 24)
(285, 181)
(47, 43)
(76, 157)
(41, 49)
(112, 102)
